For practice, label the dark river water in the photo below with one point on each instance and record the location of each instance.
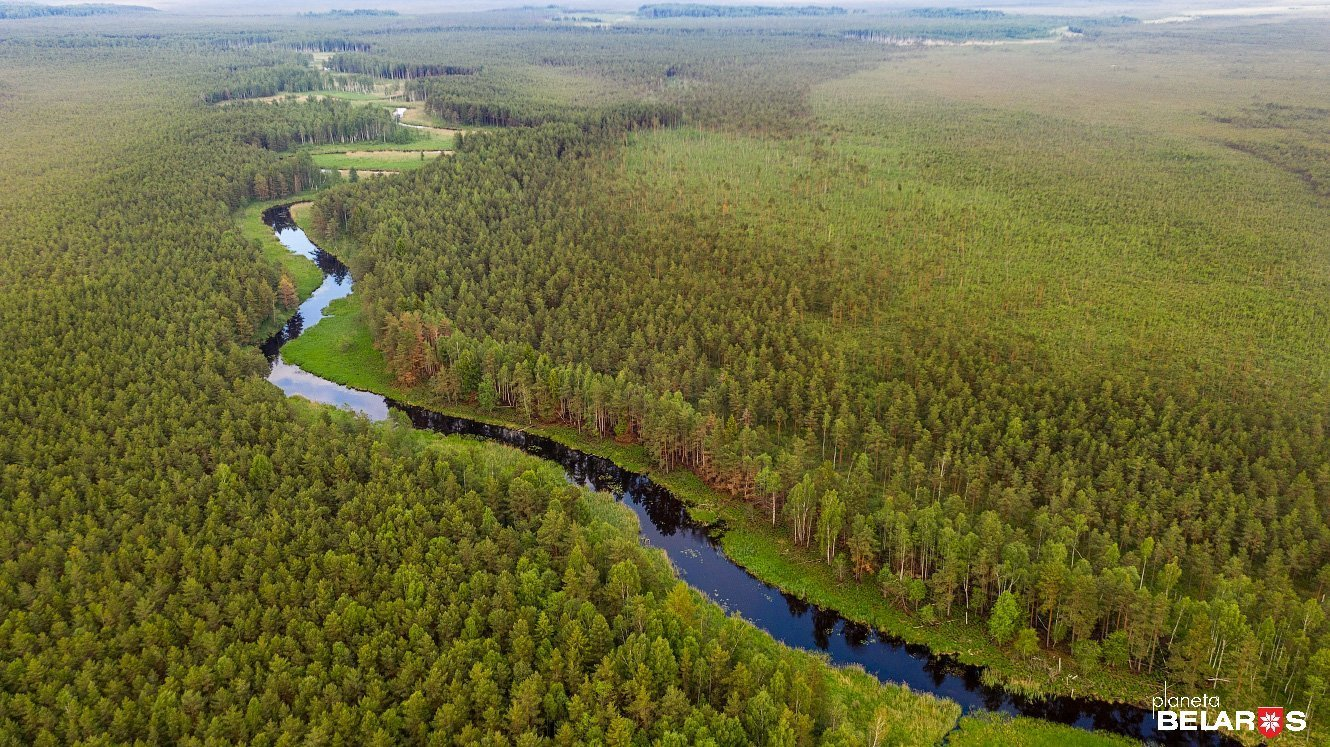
(695, 554)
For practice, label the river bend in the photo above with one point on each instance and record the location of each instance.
(695, 553)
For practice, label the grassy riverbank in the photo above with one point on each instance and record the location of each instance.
(986, 730)
(768, 554)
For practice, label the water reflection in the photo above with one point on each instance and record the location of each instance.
(336, 284)
(298, 382)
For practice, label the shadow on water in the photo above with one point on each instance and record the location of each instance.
(699, 560)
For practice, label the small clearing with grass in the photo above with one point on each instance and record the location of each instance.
(376, 160)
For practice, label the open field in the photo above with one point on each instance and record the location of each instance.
(380, 160)
(386, 157)
(346, 173)
(404, 154)
(359, 97)
(436, 132)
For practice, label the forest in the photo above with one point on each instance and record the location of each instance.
(353, 62)
(1069, 407)
(904, 483)
(189, 557)
(1163, 516)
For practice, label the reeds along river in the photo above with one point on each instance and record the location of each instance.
(694, 552)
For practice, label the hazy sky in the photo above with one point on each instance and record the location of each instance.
(1140, 8)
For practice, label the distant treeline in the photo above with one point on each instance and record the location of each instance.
(332, 44)
(27, 10)
(623, 117)
(1014, 30)
(286, 177)
(480, 100)
(288, 78)
(239, 40)
(955, 13)
(468, 111)
(697, 10)
(364, 64)
(287, 124)
(336, 13)
(98, 41)
(268, 81)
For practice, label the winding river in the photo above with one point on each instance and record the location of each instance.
(695, 554)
